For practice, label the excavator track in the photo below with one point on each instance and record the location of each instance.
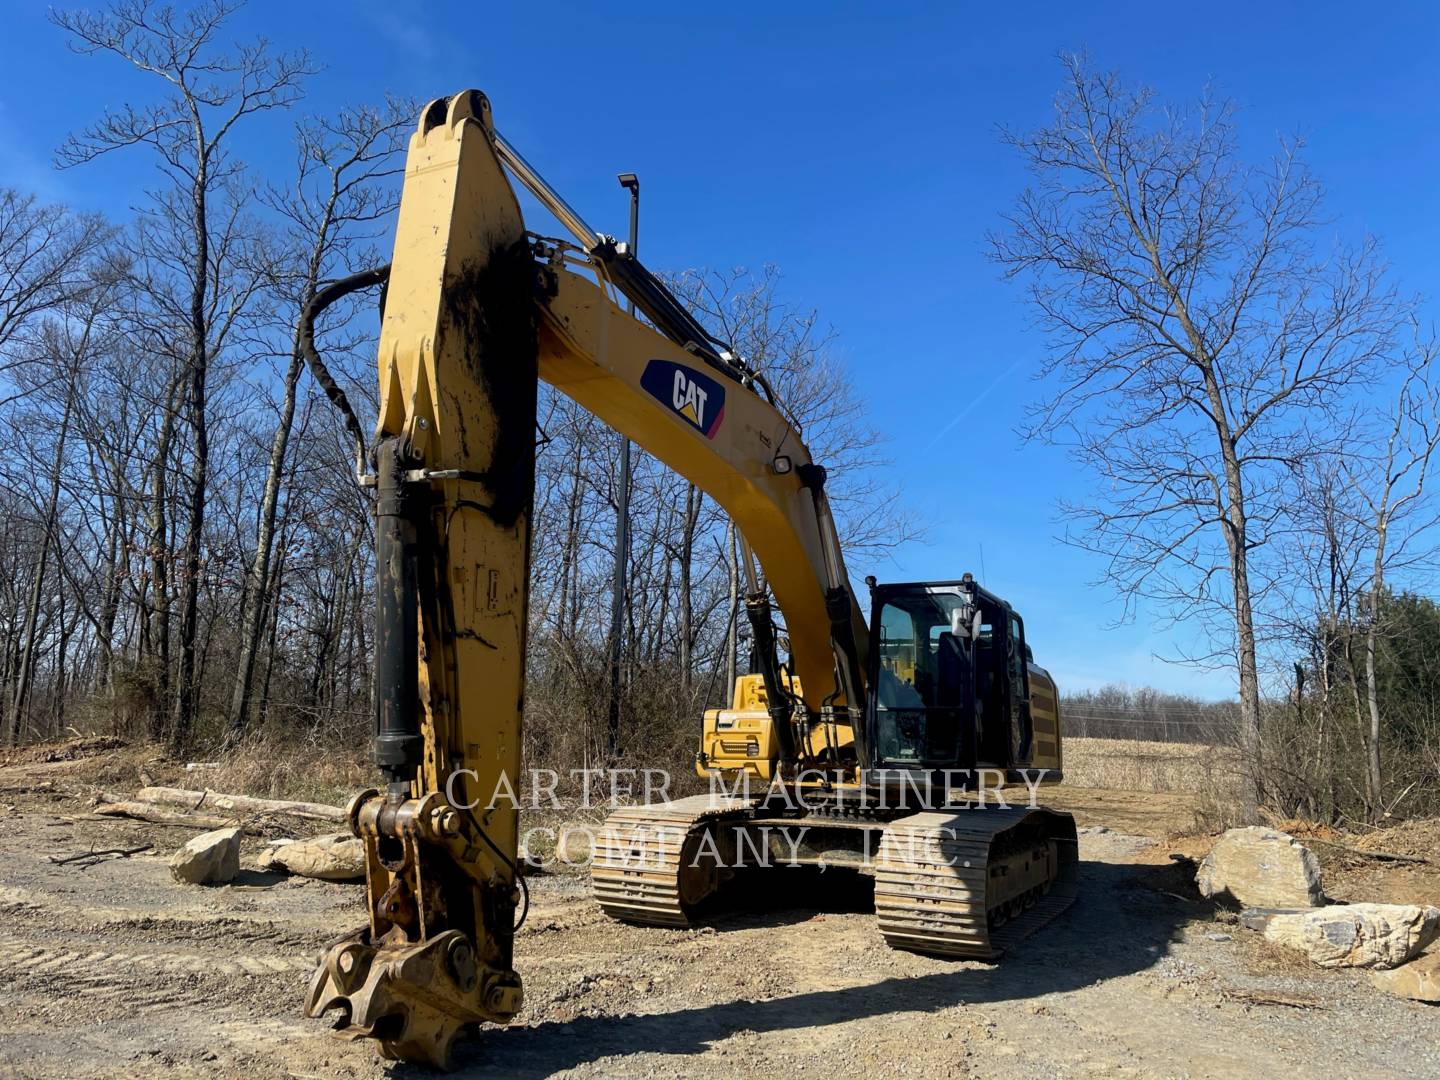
(970, 884)
(650, 865)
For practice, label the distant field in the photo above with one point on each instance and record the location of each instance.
(1138, 765)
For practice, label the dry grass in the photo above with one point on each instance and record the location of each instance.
(1138, 765)
(276, 771)
(1212, 773)
(305, 773)
(270, 769)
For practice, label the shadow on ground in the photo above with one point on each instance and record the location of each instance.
(785, 895)
(259, 879)
(1117, 928)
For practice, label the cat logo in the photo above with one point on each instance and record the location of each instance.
(693, 396)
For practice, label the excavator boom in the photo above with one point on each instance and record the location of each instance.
(477, 311)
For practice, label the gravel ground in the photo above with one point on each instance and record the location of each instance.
(116, 971)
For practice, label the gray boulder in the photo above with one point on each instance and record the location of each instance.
(1358, 935)
(212, 858)
(1260, 867)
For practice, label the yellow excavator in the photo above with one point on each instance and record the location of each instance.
(881, 746)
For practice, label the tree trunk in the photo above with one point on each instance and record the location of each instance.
(273, 633)
(155, 613)
(657, 637)
(183, 726)
(618, 597)
(1360, 719)
(62, 652)
(1237, 541)
(1372, 689)
(19, 705)
(214, 800)
(1252, 789)
(257, 582)
(570, 553)
(1324, 752)
(109, 598)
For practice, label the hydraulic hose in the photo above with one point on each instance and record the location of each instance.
(322, 299)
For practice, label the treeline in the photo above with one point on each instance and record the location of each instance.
(1146, 714)
(185, 555)
(1318, 741)
(1358, 736)
(184, 552)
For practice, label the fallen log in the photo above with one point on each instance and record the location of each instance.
(153, 814)
(243, 804)
(1379, 856)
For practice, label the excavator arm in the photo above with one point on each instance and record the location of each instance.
(477, 312)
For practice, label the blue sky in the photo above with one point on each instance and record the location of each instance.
(853, 146)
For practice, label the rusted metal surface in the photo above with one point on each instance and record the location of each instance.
(413, 999)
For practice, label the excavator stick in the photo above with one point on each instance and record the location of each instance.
(455, 458)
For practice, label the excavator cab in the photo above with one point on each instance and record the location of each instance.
(950, 680)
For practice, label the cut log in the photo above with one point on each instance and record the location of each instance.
(242, 804)
(155, 815)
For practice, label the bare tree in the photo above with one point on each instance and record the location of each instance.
(337, 199)
(1201, 342)
(1325, 549)
(44, 257)
(1392, 494)
(206, 93)
(19, 705)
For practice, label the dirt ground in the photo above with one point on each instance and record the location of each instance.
(116, 971)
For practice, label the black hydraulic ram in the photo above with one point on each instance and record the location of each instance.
(839, 607)
(647, 292)
(398, 742)
(778, 702)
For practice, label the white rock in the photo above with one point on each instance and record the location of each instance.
(1259, 867)
(337, 857)
(211, 858)
(1358, 935)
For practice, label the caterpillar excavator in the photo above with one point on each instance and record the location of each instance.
(879, 745)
